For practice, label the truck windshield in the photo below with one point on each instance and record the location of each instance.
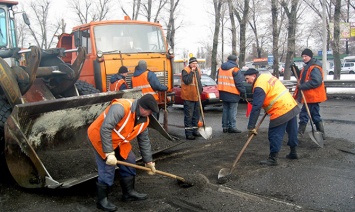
(128, 38)
(3, 28)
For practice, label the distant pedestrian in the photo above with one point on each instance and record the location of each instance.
(311, 82)
(189, 76)
(118, 81)
(231, 88)
(270, 94)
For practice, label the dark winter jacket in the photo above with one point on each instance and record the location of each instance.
(238, 80)
(117, 77)
(153, 80)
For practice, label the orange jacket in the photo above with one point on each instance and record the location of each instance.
(122, 134)
(142, 82)
(314, 95)
(189, 92)
(116, 85)
(226, 81)
(278, 100)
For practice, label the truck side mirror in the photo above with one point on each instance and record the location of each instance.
(25, 19)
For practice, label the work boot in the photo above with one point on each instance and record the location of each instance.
(196, 134)
(129, 194)
(320, 128)
(190, 137)
(292, 154)
(102, 201)
(234, 131)
(301, 129)
(271, 161)
(225, 130)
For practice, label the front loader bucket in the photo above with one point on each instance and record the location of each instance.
(46, 143)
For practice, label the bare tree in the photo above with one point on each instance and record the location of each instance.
(44, 36)
(135, 9)
(89, 10)
(171, 30)
(217, 4)
(337, 64)
(148, 9)
(233, 27)
(291, 30)
(275, 36)
(243, 20)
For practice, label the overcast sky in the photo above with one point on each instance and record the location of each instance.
(196, 27)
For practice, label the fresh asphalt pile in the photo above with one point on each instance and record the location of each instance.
(321, 180)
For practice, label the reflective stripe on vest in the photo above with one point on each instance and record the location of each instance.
(141, 82)
(226, 81)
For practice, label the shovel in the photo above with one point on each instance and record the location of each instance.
(224, 173)
(206, 132)
(315, 136)
(181, 181)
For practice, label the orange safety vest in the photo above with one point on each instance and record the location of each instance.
(278, 100)
(122, 134)
(116, 85)
(226, 81)
(313, 95)
(142, 83)
(189, 92)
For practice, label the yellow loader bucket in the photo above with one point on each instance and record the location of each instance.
(46, 142)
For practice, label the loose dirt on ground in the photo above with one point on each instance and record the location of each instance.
(322, 179)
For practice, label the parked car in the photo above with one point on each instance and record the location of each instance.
(346, 68)
(209, 96)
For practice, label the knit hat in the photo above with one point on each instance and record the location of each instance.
(148, 102)
(232, 57)
(142, 65)
(192, 60)
(123, 69)
(307, 52)
(251, 71)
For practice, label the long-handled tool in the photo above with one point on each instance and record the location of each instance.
(181, 181)
(224, 173)
(315, 136)
(165, 120)
(206, 132)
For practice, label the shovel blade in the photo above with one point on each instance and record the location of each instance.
(223, 175)
(317, 138)
(206, 132)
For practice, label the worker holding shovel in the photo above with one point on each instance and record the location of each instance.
(270, 94)
(110, 134)
(311, 83)
(190, 91)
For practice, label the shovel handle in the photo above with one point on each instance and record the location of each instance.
(304, 99)
(199, 100)
(148, 169)
(246, 144)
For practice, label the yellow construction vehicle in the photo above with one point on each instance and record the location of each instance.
(45, 111)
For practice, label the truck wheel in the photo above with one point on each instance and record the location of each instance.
(5, 111)
(85, 88)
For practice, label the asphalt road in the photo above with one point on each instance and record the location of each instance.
(322, 179)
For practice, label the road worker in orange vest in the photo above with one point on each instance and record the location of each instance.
(231, 88)
(311, 82)
(118, 81)
(270, 94)
(110, 134)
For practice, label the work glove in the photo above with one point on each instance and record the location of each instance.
(152, 170)
(111, 159)
(252, 132)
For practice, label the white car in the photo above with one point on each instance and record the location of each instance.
(346, 68)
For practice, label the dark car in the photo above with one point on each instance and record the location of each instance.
(209, 96)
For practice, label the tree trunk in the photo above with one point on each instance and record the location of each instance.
(234, 30)
(217, 9)
(337, 63)
(275, 40)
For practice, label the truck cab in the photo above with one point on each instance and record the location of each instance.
(115, 43)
